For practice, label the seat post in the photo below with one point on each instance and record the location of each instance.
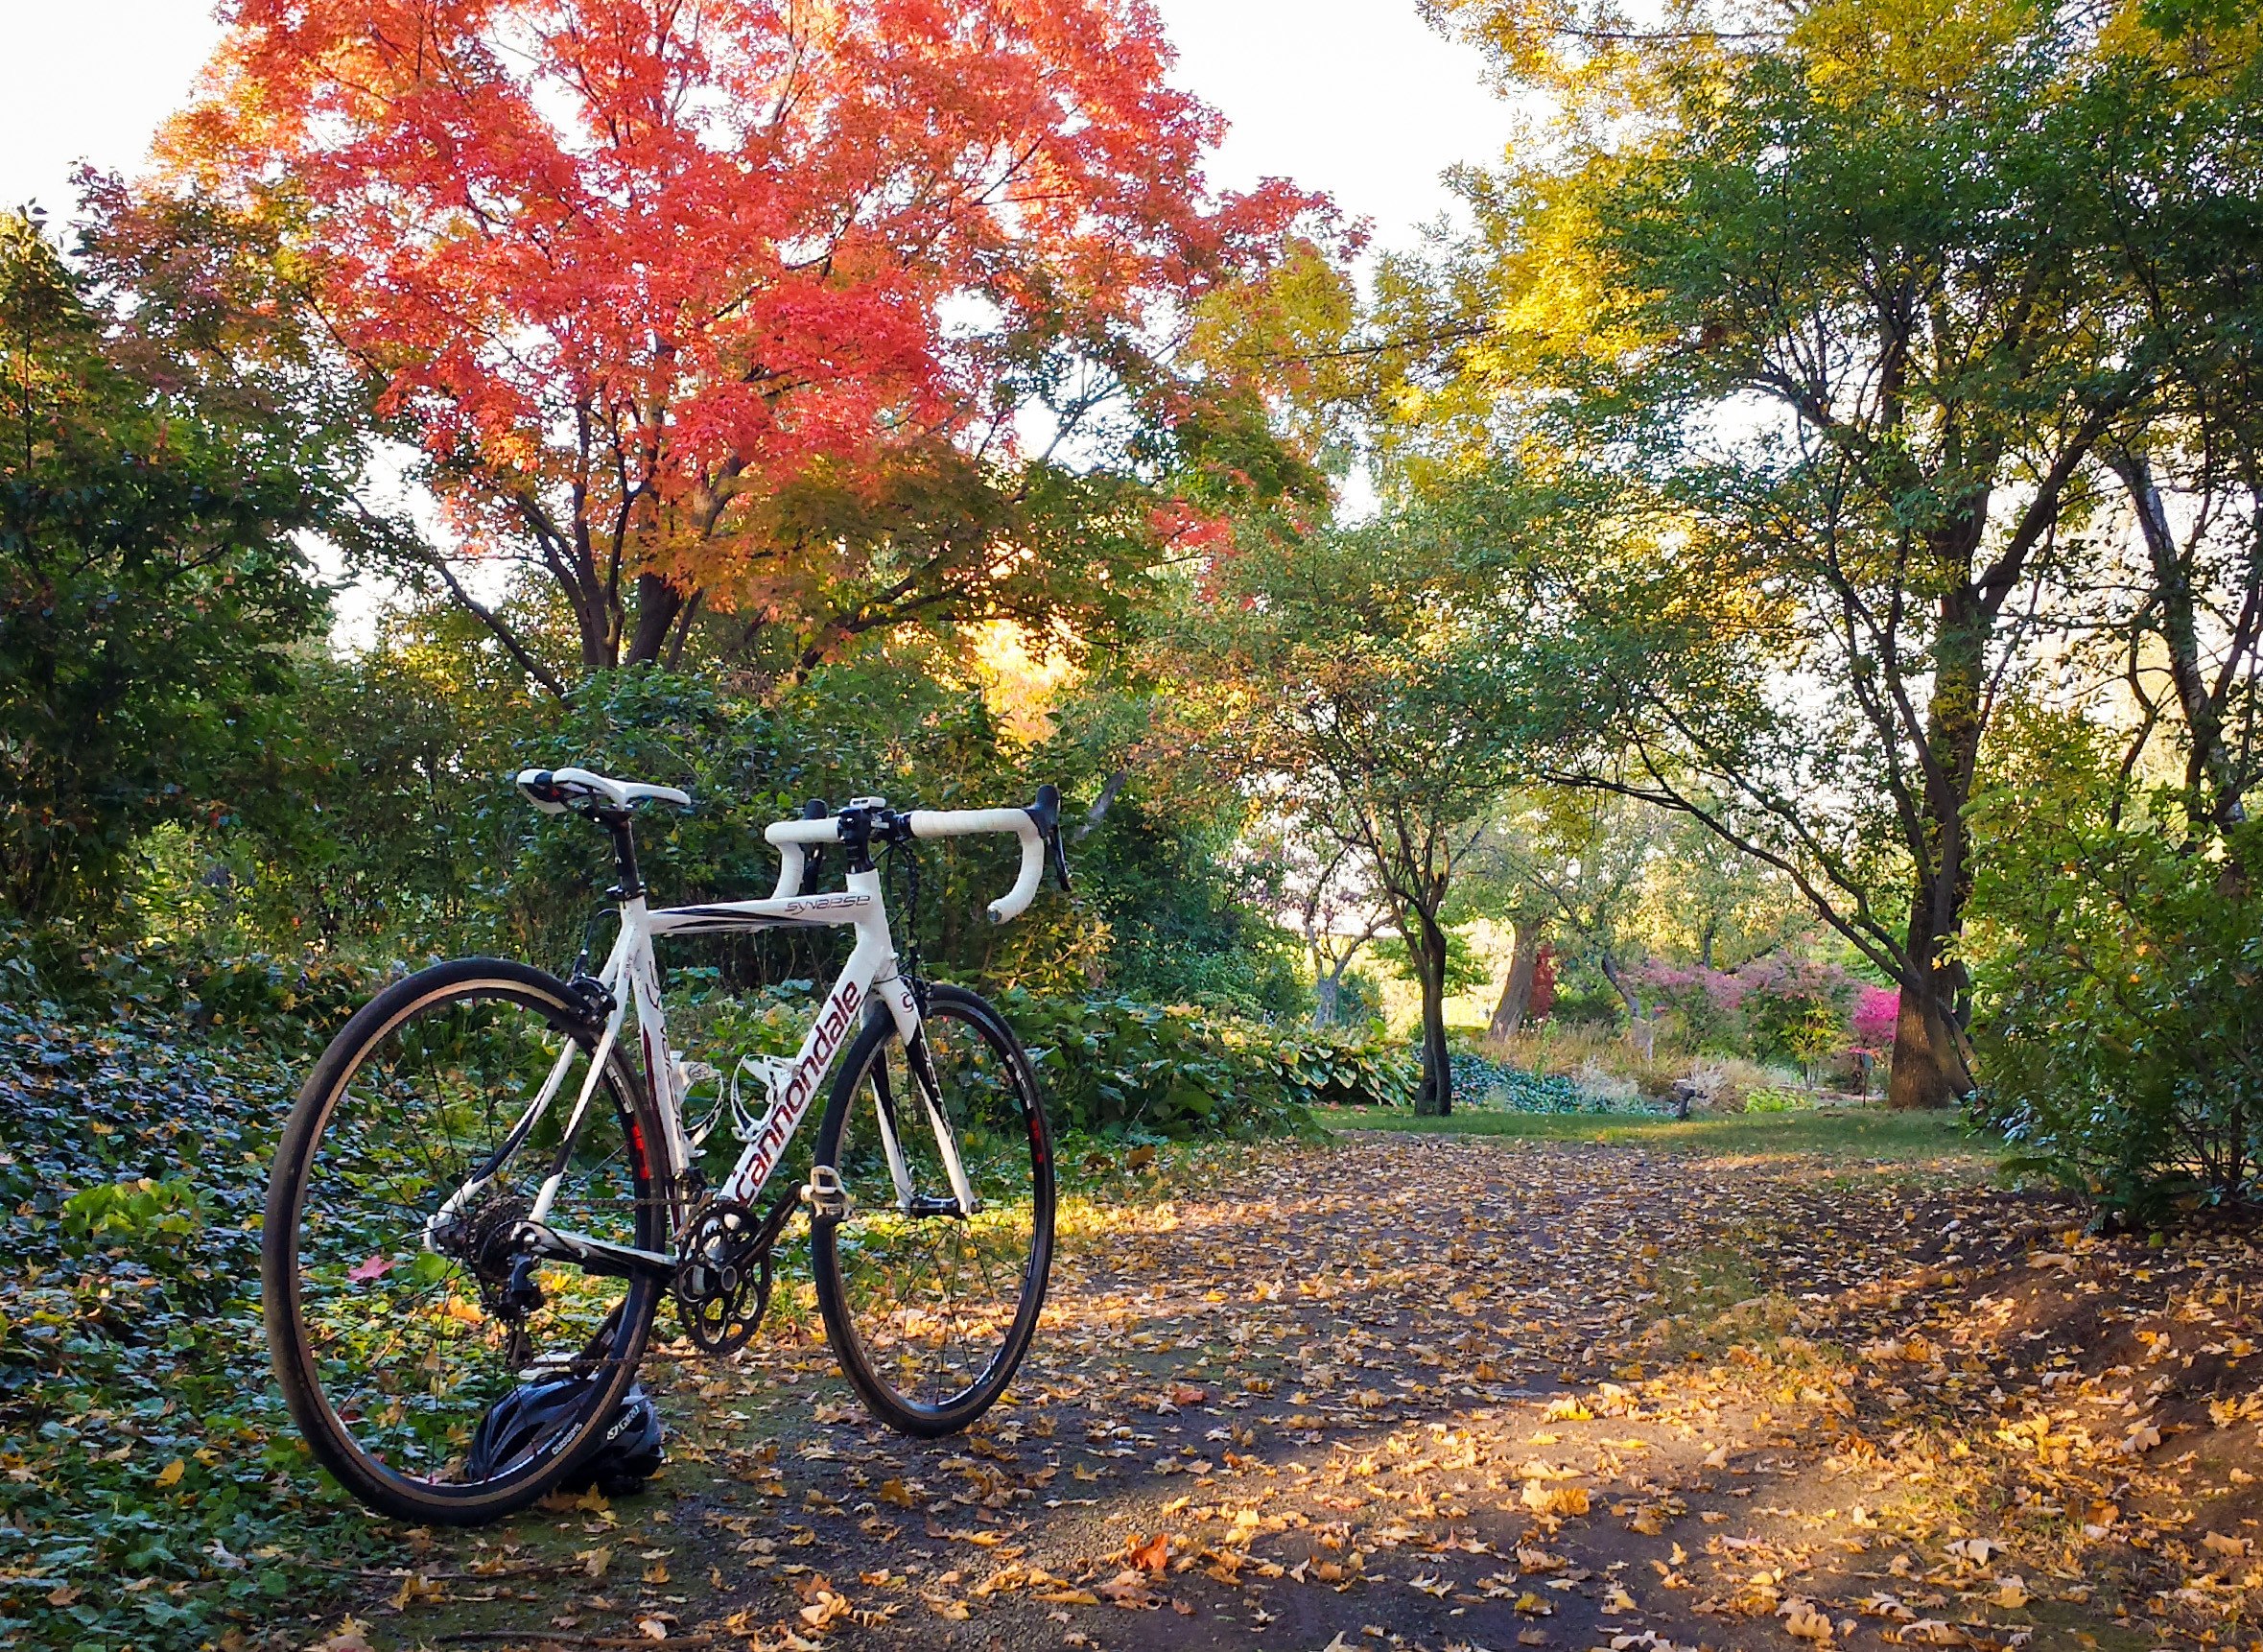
(615, 822)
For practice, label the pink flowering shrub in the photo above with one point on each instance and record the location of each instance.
(1778, 1007)
(1681, 988)
(1706, 1000)
(1876, 1008)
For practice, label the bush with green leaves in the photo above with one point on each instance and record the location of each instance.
(408, 838)
(1776, 1099)
(1124, 1066)
(1494, 1086)
(150, 591)
(2117, 959)
(1796, 1009)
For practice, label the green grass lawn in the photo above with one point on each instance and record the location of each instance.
(1835, 1133)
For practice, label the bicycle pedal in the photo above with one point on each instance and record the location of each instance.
(824, 1194)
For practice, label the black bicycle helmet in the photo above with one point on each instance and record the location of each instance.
(629, 1455)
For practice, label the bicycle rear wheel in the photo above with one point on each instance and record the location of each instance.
(930, 1310)
(398, 1315)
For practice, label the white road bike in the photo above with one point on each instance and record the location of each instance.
(478, 1191)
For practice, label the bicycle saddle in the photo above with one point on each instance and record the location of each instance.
(554, 790)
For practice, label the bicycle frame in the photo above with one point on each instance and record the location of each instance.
(632, 976)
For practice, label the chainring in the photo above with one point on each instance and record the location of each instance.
(724, 1272)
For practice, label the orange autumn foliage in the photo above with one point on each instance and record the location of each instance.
(632, 267)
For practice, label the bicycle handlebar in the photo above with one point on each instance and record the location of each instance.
(1038, 827)
(970, 822)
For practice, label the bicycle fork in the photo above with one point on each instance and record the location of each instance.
(919, 1059)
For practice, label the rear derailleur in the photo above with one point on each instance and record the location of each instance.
(485, 1239)
(724, 1270)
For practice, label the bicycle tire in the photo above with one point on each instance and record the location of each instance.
(296, 1363)
(904, 1414)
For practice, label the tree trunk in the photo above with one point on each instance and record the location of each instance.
(1426, 945)
(1642, 1031)
(1516, 992)
(596, 621)
(1627, 995)
(1932, 1063)
(657, 604)
(2212, 782)
(1327, 989)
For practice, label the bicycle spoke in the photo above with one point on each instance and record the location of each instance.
(406, 1314)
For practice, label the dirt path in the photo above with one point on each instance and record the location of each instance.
(1446, 1393)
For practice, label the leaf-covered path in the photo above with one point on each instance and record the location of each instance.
(1440, 1392)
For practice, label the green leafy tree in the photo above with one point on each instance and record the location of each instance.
(1578, 862)
(1353, 677)
(1825, 342)
(1495, 884)
(155, 462)
(2185, 102)
(1322, 886)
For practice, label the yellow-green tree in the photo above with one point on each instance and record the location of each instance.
(1824, 325)
(1354, 679)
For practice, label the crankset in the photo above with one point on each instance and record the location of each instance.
(725, 1270)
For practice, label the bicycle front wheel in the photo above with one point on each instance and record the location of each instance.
(930, 1307)
(402, 1304)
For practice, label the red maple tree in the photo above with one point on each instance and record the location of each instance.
(643, 274)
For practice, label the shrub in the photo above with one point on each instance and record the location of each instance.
(1583, 999)
(1877, 1010)
(1722, 1084)
(1122, 1067)
(1707, 1001)
(2119, 1027)
(1794, 1009)
(1607, 1064)
(1481, 1081)
(276, 1000)
(1776, 1099)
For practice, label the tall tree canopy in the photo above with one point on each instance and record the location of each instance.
(1837, 329)
(740, 304)
(155, 461)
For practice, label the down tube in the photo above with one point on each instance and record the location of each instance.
(836, 1022)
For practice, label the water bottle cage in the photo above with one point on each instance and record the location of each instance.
(771, 1072)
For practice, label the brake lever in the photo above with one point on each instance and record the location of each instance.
(1058, 856)
(812, 870)
(1046, 813)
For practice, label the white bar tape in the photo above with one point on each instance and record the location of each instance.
(966, 822)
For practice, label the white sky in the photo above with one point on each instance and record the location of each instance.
(1354, 97)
